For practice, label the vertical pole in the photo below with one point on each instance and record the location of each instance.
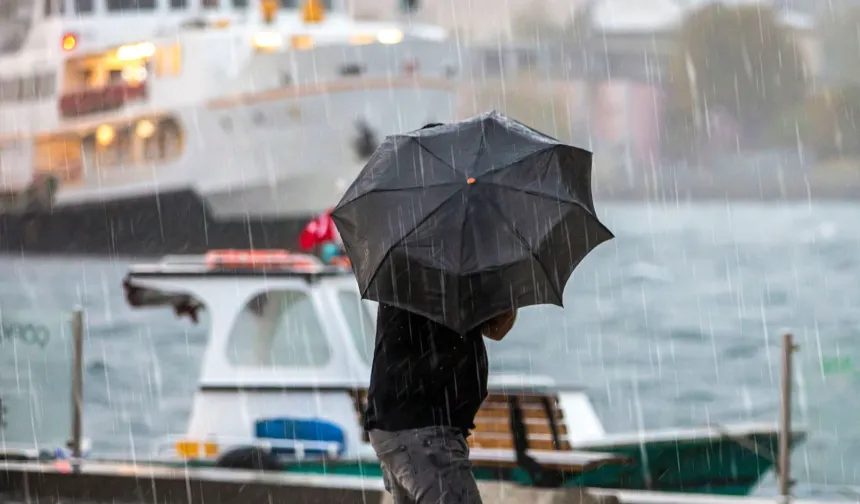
(77, 386)
(785, 417)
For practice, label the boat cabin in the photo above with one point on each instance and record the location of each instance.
(288, 363)
(289, 355)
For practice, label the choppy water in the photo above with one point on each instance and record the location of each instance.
(676, 322)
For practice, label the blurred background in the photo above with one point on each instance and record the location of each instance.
(726, 161)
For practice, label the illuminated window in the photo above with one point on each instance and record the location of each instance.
(59, 156)
(168, 61)
(278, 329)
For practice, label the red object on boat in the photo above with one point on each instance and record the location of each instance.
(110, 97)
(318, 231)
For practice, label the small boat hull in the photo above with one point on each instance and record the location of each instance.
(711, 466)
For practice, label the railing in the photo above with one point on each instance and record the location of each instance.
(110, 97)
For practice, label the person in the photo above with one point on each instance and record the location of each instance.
(427, 383)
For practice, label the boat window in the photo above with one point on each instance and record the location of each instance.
(10, 90)
(54, 8)
(168, 61)
(240, 4)
(16, 17)
(278, 329)
(130, 5)
(178, 4)
(361, 323)
(83, 6)
(210, 4)
(111, 147)
(59, 156)
(28, 88)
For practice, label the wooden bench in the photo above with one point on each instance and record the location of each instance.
(541, 416)
(544, 448)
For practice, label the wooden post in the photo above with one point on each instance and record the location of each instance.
(788, 349)
(77, 387)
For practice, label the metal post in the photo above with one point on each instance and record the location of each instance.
(77, 386)
(784, 468)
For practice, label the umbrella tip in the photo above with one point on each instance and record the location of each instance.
(470, 180)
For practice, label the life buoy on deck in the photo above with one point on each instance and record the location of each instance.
(257, 259)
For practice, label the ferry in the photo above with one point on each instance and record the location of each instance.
(153, 127)
(284, 378)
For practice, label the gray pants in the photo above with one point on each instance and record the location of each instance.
(426, 466)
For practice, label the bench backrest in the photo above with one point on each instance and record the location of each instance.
(493, 422)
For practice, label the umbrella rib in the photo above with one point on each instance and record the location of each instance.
(575, 202)
(428, 151)
(418, 224)
(492, 204)
(517, 160)
(397, 189)
(532, 192)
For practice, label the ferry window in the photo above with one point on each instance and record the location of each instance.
(59, 156)
(54, 7)
(278, 329)
(139, 143)
(46, 85)
(361, 324)
(28, 89)
(10, 90)
(83, 6)
(16, 18)
(210, 4)
(240, 4)
(168, 60)
(130, 5)
(178, 4)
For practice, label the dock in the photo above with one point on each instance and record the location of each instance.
(115, 482)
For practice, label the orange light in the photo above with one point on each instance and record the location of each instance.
(269, 10)
(70, 41)
(471, 180)
(313, 11)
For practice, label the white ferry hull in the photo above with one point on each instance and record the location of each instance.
(260, 165)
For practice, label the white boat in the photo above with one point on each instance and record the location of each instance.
(284, 379)
(150, 127)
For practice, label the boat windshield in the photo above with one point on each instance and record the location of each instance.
(362, 322)
(278, 329)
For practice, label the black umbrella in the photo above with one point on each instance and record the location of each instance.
(464, 221)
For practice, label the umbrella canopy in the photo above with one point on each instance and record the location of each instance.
(464, 221)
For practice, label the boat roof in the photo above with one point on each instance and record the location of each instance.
(240, 263)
